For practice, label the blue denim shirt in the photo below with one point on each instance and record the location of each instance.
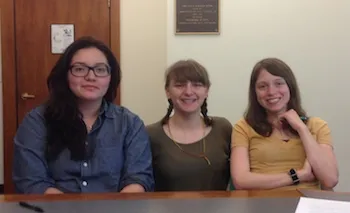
(122, 156)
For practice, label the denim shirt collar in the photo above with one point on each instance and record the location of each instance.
(106, 109)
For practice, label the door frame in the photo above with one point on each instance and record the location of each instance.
(9, 77)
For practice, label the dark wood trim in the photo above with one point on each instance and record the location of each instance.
(9, 87)
(115, 35)
(9, 78)
(1, 188)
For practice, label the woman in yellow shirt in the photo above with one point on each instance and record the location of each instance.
(276, 145)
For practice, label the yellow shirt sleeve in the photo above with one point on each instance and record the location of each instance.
(320, 130)
(240, 134)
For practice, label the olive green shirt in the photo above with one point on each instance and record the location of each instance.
(175, 170)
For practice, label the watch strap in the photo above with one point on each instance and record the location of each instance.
(294, 176)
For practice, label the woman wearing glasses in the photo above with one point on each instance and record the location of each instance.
(79, 141)
(190, 149)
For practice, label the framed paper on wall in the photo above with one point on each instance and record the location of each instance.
(62, 35)
(197, 16)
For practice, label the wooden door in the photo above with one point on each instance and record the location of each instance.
(31, 59)
(34, 59)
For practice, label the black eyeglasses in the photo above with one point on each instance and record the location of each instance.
(82, 70)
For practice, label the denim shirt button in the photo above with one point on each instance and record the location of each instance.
(85, 183)
(85, 164)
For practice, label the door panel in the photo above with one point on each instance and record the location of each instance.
(34, 59)
(26, 52)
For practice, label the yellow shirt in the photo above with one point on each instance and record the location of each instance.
(271, 155)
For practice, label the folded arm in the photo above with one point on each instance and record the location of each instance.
(244, 179)
(321, 156)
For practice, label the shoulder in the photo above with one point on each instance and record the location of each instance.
(316, 123)
(241, 133)
(242, 123)
(123, 121)
(242, 127)
(35, 115)
(32, 123)
(154, 129)
(222, 128)
(154, 126)
(122, 114)
(38, 111)
(221, 121)
(115, 110)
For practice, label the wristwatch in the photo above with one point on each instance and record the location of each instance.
(294, 176)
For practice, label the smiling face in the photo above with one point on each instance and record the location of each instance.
(187, 85)
(89, 87)
(273, 89)
(187, 97)
(272, 92)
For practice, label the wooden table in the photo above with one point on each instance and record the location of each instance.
(262, 201)
(152, 195)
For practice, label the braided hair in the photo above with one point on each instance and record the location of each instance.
(183, 71)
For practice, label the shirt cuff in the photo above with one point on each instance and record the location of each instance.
(125, 183)
(40, 188)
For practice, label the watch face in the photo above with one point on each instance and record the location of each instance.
(294, 176)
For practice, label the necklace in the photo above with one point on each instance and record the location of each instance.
(284, 137)
(281, 134)
(201, 155)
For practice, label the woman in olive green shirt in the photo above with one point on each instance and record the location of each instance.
(190, 149)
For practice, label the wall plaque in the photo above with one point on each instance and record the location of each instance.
(197, 17)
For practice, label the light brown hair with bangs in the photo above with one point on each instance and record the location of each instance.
(187, 70)
(183, 71)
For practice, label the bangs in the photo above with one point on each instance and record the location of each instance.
(184, 75)
(192, 72)
(275, 70)
(276, 67)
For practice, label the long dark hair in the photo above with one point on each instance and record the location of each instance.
(183, 71)
(255, 114)
(65, 126)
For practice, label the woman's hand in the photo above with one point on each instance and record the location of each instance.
(52, 190)
(306, 174)
(293, 119)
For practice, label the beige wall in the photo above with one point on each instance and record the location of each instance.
(143, 57)
(311, 36)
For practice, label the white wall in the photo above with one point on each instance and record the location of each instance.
(311, 36)
(143, 57)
